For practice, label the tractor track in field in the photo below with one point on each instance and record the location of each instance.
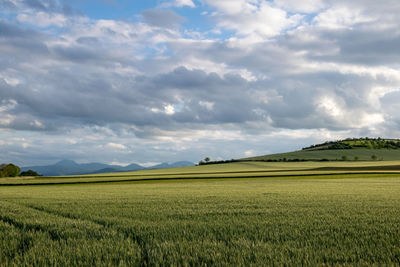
(64, 215)
(124, 232)
(56, 236)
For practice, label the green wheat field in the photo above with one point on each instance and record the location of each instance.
(237, 214)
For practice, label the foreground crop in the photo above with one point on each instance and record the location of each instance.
(230, 222)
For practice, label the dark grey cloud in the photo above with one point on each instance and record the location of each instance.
(40, 4)
(357, 46)
(162, 18)
(76, 53)
(90, 41)
(209, 100)
(90, 99)
(10, 31)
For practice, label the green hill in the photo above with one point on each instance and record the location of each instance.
(357, 143)
(348, 149)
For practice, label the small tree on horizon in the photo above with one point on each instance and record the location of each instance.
(9, 170)
(29, 173)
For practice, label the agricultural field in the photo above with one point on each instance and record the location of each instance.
(250, 169)
(255, 213)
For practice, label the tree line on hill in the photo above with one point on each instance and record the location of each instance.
(208, 161)
(352, 143)
(11, 170)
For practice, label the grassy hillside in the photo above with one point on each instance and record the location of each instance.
(334, 154)
(351, 149)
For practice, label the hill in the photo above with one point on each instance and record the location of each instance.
(357, 143)
(70, 167)
(347, 149)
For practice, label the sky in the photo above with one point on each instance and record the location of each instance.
(118, 81)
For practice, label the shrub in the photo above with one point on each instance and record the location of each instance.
(29, 173)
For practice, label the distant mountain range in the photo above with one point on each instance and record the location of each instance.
(70, 167)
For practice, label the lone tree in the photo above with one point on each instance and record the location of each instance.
(374, 157)
(9, 170)
(204, 161)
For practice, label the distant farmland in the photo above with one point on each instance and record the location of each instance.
(236, 170)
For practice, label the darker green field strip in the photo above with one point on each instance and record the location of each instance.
(101, 180)
(360, 168)
(175, 174)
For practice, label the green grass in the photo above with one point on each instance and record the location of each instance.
(351, 219)
(350, 154)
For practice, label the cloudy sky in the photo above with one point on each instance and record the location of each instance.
(121, 81)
